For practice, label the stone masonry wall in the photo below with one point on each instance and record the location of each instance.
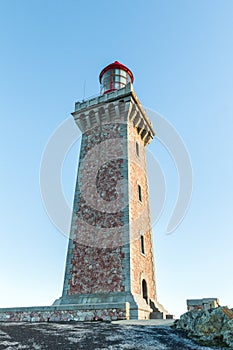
(72, 313)
(141, 265)
(96, 270)
(96, 255)
(104, 254)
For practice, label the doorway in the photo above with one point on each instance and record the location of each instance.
(144, 290)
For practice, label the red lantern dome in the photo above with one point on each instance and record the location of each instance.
(115, 76)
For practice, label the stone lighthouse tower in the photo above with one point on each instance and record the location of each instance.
(110, 253)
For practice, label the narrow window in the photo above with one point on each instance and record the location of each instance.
(142, 244)
(139, 193)
(137, 149)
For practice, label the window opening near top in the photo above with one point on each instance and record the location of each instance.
(142, 244)
(139, 193)
(137, 149)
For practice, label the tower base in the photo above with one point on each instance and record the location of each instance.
(139, 309)
(91, 307)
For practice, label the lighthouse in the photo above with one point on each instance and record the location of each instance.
(110, 253)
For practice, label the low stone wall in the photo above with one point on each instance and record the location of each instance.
(105, 312)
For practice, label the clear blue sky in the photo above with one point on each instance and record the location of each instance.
(181, 54)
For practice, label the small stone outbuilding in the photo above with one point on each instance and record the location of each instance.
(202, 304)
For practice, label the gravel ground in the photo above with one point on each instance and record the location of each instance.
(92, 336)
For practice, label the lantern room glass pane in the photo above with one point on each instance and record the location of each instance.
(107, 74)
(123, 80)
(106, 80)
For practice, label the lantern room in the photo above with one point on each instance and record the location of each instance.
(115, 76)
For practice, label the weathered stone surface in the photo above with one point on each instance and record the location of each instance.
(141, 265)
(214, 325)
(92, 336)
(105, 312)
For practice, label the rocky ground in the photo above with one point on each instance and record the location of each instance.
(214, 326)
(92, 336)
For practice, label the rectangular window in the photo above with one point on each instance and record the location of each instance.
(139, 193)
(142, 244)
(137, 149)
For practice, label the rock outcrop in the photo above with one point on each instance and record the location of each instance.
(214, 326)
